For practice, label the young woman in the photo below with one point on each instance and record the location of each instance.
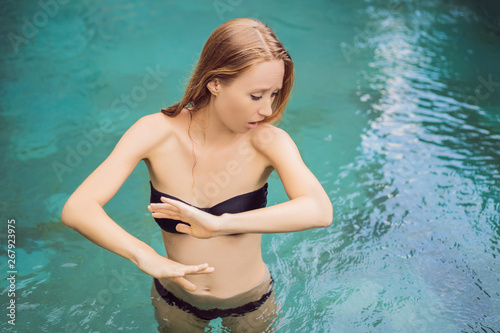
(209, 158)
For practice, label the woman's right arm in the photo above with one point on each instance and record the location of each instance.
(84, 211)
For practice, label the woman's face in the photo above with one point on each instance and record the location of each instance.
(245, 101)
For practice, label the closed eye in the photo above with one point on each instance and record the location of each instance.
(256, 98)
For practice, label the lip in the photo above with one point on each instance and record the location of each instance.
(253, 124)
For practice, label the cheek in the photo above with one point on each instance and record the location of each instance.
(235, 107)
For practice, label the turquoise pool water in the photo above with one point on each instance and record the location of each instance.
(396, 110)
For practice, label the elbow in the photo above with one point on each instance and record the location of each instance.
(325, 221)
(321, 212)
(328, 221)
(69, 212)
(325, 217)
(66, 214)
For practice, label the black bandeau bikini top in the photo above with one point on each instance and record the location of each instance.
(237, 204)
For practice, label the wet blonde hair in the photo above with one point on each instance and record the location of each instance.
(230, 50)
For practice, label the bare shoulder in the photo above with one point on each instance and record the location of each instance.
(156, 120)
(147, 132)
(156, 124)
(267, 138)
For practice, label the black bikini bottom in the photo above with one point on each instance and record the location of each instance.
(209, 314)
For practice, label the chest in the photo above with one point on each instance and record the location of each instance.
(205, 177)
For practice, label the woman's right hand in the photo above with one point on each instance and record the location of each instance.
(161, 267)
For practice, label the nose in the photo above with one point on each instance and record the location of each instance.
(267, 109)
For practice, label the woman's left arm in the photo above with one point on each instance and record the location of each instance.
(309, 205)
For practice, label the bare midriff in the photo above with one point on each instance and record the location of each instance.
(237, 260)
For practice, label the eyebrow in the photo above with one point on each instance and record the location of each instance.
(259, 89)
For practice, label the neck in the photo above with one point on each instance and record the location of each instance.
(207, 130)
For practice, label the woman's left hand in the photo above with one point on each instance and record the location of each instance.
(202, 224)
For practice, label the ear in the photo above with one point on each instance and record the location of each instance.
(214, 86)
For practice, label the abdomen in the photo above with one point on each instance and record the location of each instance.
(237, 261)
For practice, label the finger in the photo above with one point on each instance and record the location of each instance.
(180, 207)
(199, 269)
(183, 228)
(156, 207)
(168, 215)
(208, 270)
(192, 269)
(163, 211)
(173, 203)
(180, 270)
(189, 286)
